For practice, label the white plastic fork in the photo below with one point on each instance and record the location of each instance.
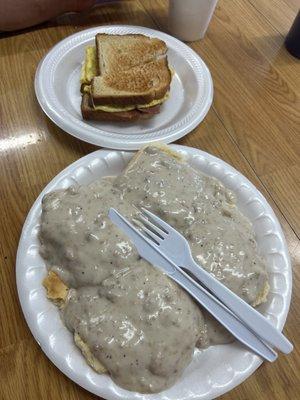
(151, 253)
(176, 247)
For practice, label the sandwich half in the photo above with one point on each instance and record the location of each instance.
(124, 78)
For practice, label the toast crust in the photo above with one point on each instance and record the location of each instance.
(57, 291)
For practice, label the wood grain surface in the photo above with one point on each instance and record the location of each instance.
(253, 124)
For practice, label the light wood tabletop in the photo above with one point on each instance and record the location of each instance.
(253, 124)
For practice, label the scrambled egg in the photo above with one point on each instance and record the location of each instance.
(89, 70)
(118, 108)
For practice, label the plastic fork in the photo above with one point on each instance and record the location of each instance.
(152, 253)
(176, 247)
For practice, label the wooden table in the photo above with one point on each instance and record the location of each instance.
(253, 124)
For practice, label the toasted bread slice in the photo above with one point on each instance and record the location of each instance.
(139, 85)
(133, 70)
(124, 52)
(90, 113)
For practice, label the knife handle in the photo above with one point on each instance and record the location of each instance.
(224, 316)
(250, 317)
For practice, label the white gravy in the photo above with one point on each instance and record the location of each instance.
(140, 325)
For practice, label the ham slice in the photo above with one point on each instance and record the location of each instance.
(150, 110)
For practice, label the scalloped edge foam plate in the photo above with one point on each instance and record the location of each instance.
(57, 89)
(213, 371)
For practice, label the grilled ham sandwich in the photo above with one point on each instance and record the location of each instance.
(124, 78)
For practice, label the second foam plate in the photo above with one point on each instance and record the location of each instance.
(57, 89)
(213, 371)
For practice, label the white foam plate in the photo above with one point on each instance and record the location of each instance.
(213, 371)
(57, 87)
